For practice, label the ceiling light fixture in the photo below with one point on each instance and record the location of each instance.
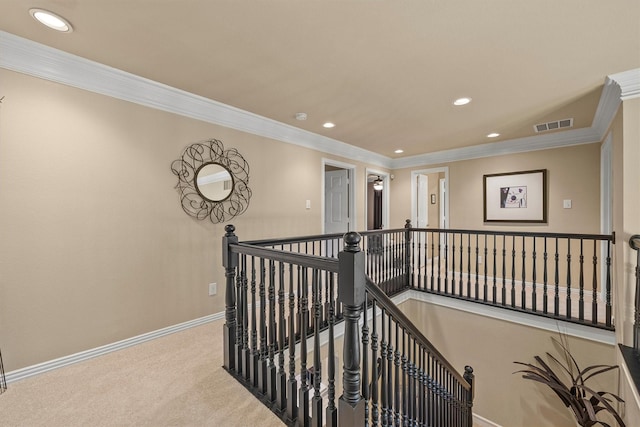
(493, 135)
(328, 125)
(462, 101)
(377, 184)
(51, 20)
(399, 151)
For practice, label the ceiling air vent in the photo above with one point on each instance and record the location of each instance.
(558, 124)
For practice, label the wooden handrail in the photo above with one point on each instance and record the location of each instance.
(385, 302)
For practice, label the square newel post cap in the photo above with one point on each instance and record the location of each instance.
(351, 278)
(229, 259)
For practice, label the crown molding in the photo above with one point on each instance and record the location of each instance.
(38, 60)
(629, 82)
(35, 59)
(520, 145)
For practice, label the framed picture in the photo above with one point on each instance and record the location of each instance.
(516, 196)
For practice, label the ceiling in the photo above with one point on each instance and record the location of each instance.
(385, 72)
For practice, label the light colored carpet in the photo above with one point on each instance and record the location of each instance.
(177, 380)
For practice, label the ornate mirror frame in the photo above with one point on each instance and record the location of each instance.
(195, 157)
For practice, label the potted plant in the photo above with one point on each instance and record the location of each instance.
(584, 402)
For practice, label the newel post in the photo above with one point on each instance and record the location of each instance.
(468, 375)
(407, 254)
(351, 293)
(229, 262)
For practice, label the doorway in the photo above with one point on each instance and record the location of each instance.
(377, 199)
(338, 181)
(430, 198)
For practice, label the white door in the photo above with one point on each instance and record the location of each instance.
(422, 207)
(336, 201)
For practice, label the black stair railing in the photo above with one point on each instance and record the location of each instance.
(285, 312)
(558, 275)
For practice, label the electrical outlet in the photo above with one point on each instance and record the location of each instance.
(213, 289)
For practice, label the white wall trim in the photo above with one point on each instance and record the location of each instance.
(552, 325)
(544, 323)
(479, 421)
(629, 82)
(41, 368)
(35, 59)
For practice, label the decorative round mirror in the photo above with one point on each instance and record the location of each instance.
(214, 182)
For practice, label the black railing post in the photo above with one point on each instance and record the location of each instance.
(351, 293)
(230, 263)
(470, 377)
(407, 254)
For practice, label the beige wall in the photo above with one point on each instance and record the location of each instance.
(573, 173)
(491, 346)
(94, 245)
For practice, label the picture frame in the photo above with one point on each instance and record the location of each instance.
(519, 197)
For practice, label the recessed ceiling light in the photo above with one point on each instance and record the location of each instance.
(493, 135)
(399, 151)
(462, 101)
(51, 20)
(328, 125)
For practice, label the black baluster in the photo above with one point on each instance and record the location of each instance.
(272, 369)
(292, 384)
(461, 278)
(439, 263)
(524, 275)
(594, 295)
(375, 365)
(556, 302)
(405, 379)
(485, 262)
(581, 284)
(303, 392)
(316, 402)
(246, 354)
(495, 271)
(545, 298)
(384, 379)
(282, 375)
(608, 285)
(470, 377)
(433, 261)
(332, 411)
(513, 272)
(533, 277)
(397, 391)
(477, 284)
(365, 361)
(568, 313)
(262, 363)
(255, 351)
(239, 316)
(453, 264)
(446, 263)
(504, 269)
(469, 267)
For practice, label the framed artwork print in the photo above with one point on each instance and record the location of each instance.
(516, 196)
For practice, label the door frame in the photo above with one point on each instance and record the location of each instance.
(351, 176)
(414, 202)
(386, 188)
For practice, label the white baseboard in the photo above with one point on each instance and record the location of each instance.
(40, 368)
(483, 422)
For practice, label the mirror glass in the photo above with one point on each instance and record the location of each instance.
(214, 182)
